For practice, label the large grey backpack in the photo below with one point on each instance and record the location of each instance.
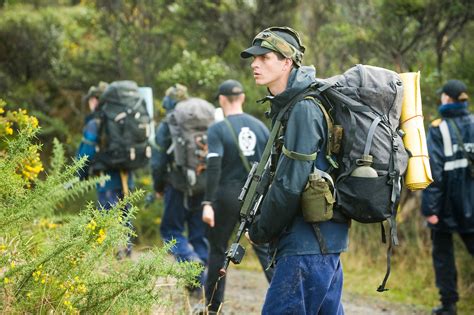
(188, 124)
(363, 105)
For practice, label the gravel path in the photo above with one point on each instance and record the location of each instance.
(245, 293)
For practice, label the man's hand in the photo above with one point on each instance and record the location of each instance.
(208, 215)
(247, 236)
(432, 219)
(158, 195)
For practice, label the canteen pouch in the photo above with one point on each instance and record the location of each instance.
(317, 201)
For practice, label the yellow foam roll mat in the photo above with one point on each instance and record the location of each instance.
(418, 175)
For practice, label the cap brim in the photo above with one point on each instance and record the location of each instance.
(254, 51)
(439, 91)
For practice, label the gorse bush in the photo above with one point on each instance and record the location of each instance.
(67, 264)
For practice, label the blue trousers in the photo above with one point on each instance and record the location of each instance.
(176, 218)
(306, 284)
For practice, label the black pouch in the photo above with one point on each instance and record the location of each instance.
(317, 200)
(365, 199)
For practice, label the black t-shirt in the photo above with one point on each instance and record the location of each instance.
(252, 136)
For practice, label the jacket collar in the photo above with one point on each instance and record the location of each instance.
(299, 79)
(453, 109)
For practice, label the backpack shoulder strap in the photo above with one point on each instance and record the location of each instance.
(244, 159)
(330, 132)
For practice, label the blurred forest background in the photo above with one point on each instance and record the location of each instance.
(52, 51)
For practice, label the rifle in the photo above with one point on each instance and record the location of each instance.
(252, 194)
(256, 186)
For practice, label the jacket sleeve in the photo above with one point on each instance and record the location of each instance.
(90, 137)
(433, 195)
(159, 158)
(305, 134)
(214, 162)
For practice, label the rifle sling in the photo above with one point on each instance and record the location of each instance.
(249, 197)
(244, 159)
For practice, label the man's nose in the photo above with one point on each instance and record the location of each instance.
(254, 64)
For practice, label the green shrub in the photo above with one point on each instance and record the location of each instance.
(67, 263)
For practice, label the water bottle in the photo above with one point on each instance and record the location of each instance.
(364, 169)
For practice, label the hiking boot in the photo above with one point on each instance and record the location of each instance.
(449, 309)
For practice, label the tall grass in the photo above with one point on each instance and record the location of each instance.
(412, 275)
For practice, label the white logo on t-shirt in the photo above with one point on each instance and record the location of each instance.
(247, 141)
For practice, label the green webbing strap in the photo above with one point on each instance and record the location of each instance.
(320, 238)
(330, 126)
(241, 154)
(298, 156)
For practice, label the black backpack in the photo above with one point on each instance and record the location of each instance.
(124, 128)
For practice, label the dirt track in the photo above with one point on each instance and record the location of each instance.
(246, 290)
(245, 293)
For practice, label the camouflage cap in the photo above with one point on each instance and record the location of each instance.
(96, 91)
(177, 92)
(283, 40)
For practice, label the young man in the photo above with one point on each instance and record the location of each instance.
(234, 144)
(448, 202)
(176, 217)
(306, 280)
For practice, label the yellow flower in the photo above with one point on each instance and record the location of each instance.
(92, 225)
(3, 248)
(12, 265)
(81, 289)
(101, 237)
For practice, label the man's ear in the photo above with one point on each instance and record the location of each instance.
(223, 100)
(242, 98)
(288, 64)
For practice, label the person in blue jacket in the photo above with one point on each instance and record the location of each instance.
(308, 275)
(111, 191)
(177, 217)
(448, 203)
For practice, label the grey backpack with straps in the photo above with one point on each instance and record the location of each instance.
(188, 124)
(363, 107)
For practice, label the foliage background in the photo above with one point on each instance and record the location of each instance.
(51, 51)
